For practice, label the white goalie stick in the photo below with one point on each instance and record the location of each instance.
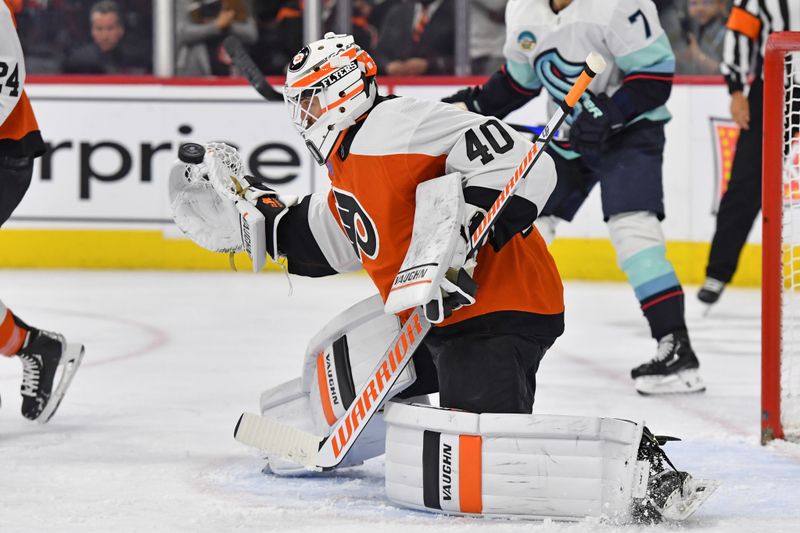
(317, 453)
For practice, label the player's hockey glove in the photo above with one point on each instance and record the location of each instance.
(517, 217)
(457, 289)
(600, 119)
(466, 99)
(273, 206)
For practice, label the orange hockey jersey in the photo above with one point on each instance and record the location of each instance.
(19, 132)
(366, 220)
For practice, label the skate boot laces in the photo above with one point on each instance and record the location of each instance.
(31, 369)
(667, 346)
(713, 285)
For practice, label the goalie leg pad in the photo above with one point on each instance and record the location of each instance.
(342, 357)
(512, 465)
(339, 359)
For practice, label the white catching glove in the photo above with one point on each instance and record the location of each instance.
(213, 203)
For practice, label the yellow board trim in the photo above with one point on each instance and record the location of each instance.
(583, 259)
(109, 249)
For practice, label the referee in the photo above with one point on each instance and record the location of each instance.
(749, 24)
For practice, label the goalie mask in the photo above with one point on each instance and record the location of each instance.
(329, 84)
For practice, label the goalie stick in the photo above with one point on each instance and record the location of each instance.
(317, 453)
(247, 67)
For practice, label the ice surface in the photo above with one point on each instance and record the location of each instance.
(144, 439)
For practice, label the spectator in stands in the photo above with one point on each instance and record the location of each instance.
(202, 26)
(280, 34)
(673, 15)
(109, 52)
(365, 34)
(701, 51)
(280, 30)
(416, 38)
(43, 36)
(486, 35)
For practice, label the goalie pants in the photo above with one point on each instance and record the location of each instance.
(15, 178)
(479, 371)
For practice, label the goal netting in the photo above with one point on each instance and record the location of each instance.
(780, 394)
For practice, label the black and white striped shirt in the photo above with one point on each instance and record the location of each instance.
(749, 24)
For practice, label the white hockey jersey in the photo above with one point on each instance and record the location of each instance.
(547, 50)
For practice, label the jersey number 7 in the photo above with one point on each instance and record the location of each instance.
(638, 14)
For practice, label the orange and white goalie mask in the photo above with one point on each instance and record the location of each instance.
(329, 85)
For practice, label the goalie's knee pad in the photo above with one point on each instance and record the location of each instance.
(513, 465)
(339, 360)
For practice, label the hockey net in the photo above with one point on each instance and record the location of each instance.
(780, 378)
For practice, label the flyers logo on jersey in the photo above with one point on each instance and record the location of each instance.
(358, 225)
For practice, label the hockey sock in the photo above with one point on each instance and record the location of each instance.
(657, 287)
(12, 332)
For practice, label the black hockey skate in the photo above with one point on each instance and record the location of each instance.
(710, 291)
(671, 494)
(42, 355)
(673, 370)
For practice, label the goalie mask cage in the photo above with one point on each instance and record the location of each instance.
(780, 317)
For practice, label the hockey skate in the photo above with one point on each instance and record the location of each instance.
(673, 370)
(671, 495)
(710, 291)
(42, 355)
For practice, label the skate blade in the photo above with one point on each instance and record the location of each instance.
(681, 506)
(70, 361)
(683, 382)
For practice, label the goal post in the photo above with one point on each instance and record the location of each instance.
(780, 304)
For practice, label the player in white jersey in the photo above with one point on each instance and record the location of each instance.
(615, 137)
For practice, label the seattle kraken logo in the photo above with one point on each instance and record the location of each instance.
(558, 75)
(357, 225)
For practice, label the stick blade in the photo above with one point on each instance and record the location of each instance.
(277, 438)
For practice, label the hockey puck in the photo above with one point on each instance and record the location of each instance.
(191, 153)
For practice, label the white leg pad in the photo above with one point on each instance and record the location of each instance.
(512, 465)
(342, 357)
(339, 359)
